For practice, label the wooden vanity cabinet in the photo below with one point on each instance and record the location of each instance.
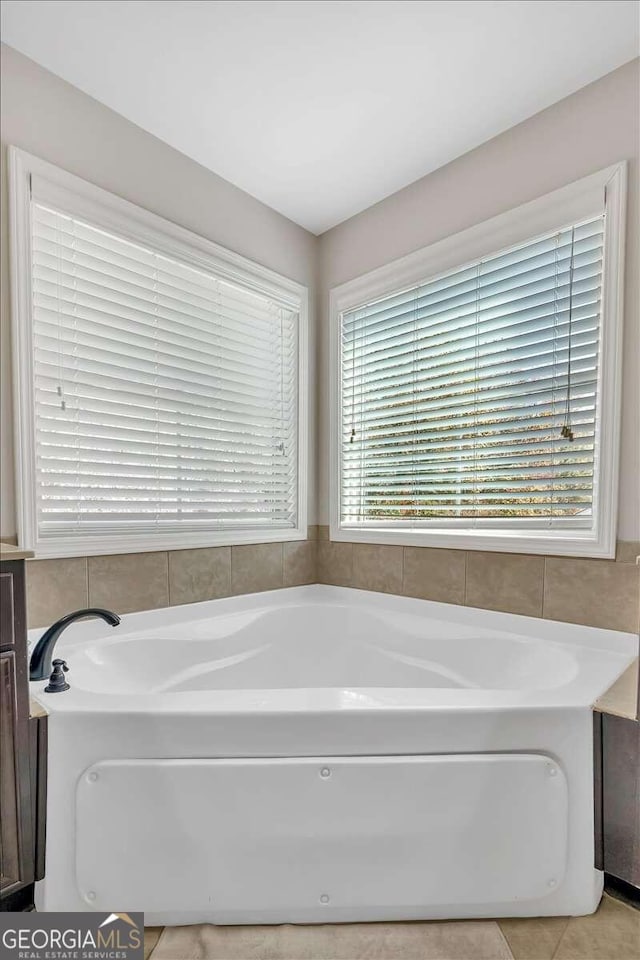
(22, 751)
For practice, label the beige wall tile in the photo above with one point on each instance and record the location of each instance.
(627, 551)
(509, 582)
(434, 574)
(598, 593)
(612, 933)
(55, 587)
(128, 582)
(196, 575)
(300, 562)
(533, 938)
(377, 567)
(335, 563)
(255, 567)
(595, 592)
(323, 531)
(312, 531)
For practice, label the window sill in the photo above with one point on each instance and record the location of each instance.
(102, 546)
(563, 543)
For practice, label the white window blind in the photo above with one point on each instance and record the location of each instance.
(471, 398)
(165, 396)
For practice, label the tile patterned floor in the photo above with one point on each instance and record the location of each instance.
(612, 933)
(475, 939)
(151, 937)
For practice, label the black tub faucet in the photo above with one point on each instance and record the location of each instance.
(40, 662)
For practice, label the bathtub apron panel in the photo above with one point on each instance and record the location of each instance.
(253, 840)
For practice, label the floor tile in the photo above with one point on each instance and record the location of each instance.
(464, 940)
(151, 937)
(533, 938)
(612, 933)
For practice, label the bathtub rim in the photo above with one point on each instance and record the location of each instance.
(589, 684)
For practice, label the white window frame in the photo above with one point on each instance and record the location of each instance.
(561, 208)
(138, 225)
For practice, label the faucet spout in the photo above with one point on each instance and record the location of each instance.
(40, 663)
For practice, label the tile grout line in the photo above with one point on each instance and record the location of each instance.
(561, 938)
(505, 939)
(86, 578)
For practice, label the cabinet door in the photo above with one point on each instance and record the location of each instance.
(38, 758)
(9, 805)
(621, 798)
(7, 610)
(16, 853)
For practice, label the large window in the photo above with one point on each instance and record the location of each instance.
(471, 403)
(161, 381)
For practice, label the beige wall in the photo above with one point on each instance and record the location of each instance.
(56, 121)
(577, 136)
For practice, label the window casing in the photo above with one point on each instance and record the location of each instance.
(456, 371)
(160, 379)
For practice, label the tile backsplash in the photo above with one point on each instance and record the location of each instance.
(195, 575)
(127, 582)
(511, 582)
(55, 587)
(143, 581)
(600, 593)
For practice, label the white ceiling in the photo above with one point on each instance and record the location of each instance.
(320, 108)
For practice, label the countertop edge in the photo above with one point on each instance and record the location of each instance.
(9, 551)
(621, 699)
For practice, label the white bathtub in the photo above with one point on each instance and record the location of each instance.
(323, 754)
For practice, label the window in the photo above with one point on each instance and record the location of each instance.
(471, 400)
(162, 380)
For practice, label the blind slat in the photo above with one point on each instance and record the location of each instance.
(454, 393)
(164, 395)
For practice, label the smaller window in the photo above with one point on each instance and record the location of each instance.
(471, 404)
(163, 388)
